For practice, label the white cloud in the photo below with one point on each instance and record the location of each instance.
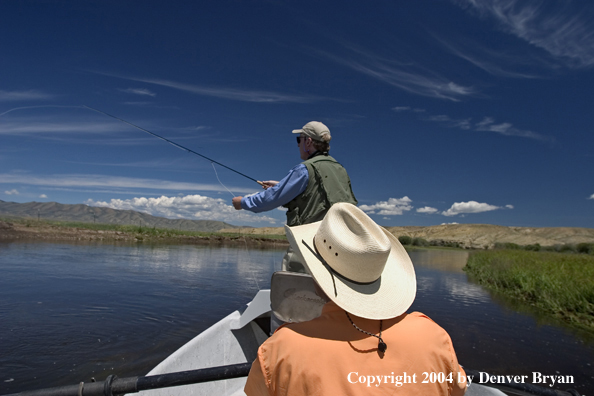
(509, 206)
(11, 192)
(193, 207)
(449, 223)
(469, 207)
(564, 31)
(139, 91)
(16, 96)
(427, 209)
(591, 196)
(43, 196)
(391, 207)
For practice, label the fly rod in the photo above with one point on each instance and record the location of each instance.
(174, 144)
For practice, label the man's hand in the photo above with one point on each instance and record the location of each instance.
(237, 203)
(269, 183)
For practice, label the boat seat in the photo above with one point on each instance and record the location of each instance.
(294, 298)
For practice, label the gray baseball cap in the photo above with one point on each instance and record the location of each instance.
(315, 130)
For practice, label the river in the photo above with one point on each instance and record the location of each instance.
(70, 312)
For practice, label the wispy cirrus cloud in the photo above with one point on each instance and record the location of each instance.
(21, 96)
(398, 109)
(224, 92)
(564, 29)
(409, 77)
(505, 128)
(102, 181)
(11, 192)
(50, 126)
(193, 207)
(487, 124)
(139, 91)
(494, 62)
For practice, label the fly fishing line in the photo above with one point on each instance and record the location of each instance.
(212, 162)
(178, 146)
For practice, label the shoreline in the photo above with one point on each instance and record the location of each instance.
(556, 285)
(20, 230)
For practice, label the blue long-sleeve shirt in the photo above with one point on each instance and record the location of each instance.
(284, 192)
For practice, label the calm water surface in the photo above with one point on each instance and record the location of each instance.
(69, 312)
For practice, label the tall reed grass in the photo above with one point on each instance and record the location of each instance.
(557, 284)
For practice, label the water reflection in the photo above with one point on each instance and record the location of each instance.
(69, 312)
(488, 335)
(441, 260)
(72, 311)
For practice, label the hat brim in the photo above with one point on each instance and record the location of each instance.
(298, 131)
(390, 296)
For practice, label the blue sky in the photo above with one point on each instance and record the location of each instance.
(467, 111)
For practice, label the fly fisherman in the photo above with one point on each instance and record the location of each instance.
(310, 188)
(363, 343)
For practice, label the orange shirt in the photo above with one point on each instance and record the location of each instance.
(328, 356)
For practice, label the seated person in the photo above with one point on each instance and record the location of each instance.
(363, 342)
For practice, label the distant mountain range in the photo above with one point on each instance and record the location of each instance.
(90, 214)
(466, 235)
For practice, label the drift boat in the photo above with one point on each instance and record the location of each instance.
(235, 339)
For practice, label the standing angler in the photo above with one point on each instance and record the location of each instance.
(310, 188)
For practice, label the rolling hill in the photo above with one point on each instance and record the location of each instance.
(89, 214)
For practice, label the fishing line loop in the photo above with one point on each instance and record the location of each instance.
(212, 162)
(175, 144)
(217, 175)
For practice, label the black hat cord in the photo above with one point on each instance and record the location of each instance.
(381, 346)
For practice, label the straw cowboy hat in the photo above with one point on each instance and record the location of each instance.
(360, 266)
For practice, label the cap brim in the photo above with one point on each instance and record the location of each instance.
(298, 131)
(390, 296)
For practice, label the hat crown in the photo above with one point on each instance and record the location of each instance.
(352, 244)
(315, 130)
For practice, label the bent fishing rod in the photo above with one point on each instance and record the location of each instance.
(174, 144)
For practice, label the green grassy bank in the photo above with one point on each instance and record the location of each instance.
(560, 285)
(137, 231)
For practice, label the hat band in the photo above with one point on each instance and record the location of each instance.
(330, 269)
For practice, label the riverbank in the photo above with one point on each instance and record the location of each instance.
(475, 236)
(24, 229)
(559, 285)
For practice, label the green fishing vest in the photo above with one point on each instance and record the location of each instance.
(328, 184)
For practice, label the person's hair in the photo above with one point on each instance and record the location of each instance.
(322, 146)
